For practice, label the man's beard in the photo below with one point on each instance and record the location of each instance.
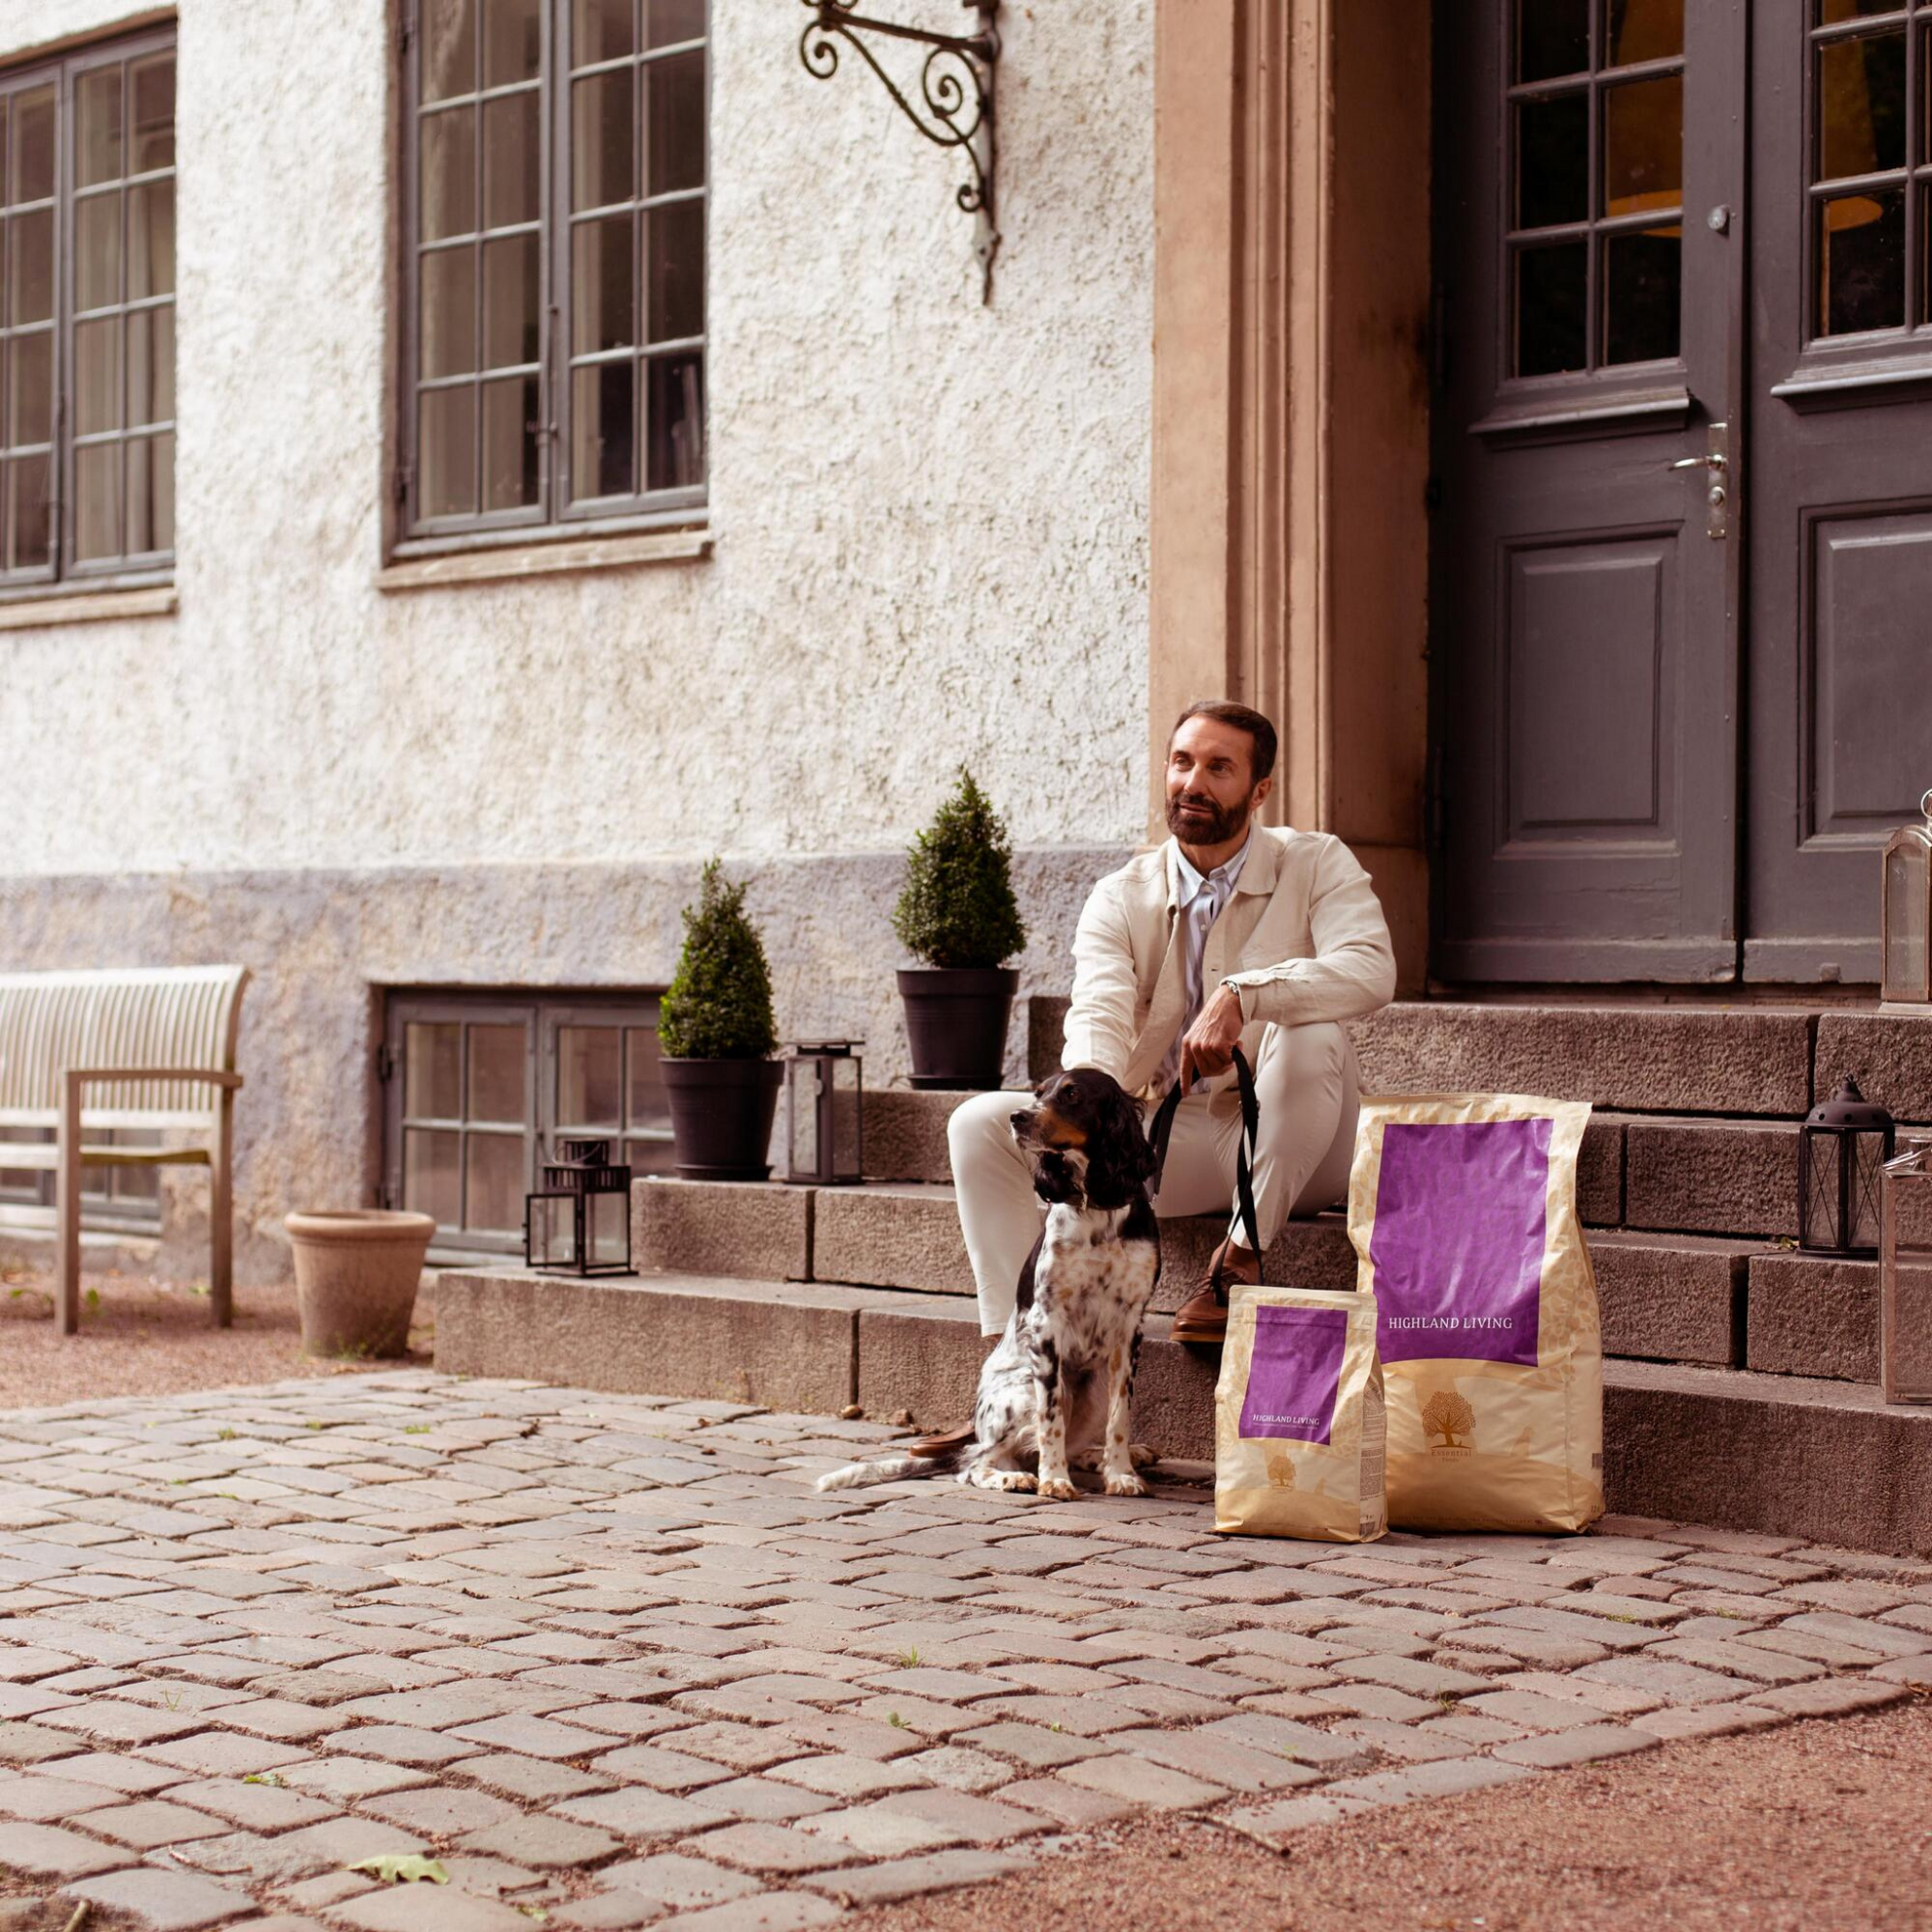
(1223, 823)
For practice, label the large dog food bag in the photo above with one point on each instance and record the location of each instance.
(1299, 1418)
(1462, 1209)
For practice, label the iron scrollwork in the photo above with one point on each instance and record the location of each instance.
(952, 105)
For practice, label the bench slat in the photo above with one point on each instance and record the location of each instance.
(38, 1153)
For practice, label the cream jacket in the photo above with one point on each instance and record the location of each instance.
(1302, 939)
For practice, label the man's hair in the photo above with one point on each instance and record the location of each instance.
(1261, 759)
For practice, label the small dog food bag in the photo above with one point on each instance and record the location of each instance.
(1462, 1210)
(1299, 1418)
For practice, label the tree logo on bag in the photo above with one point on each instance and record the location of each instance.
(1448, 1415)
(1280, 1468)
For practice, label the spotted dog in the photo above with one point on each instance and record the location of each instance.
(1056, 1393)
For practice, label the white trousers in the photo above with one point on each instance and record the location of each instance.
(1306, 1083)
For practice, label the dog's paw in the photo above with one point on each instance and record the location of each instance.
(1144, 1456)
(1124, 1483)
(1058, 1489)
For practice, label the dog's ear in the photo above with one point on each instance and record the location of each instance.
(1118, 1158)
(1053, 1178)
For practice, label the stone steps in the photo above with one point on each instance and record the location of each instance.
(1782, 1455)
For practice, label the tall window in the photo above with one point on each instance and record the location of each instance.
(555, 227)
(87, 314)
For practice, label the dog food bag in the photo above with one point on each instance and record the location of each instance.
(1462, 1209)
(1299, 1418)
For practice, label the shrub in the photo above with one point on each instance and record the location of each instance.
(719, 1003)
(957, 906)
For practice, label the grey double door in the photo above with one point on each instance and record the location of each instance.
(1681, 599)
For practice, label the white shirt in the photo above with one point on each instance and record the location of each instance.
(1200, 901)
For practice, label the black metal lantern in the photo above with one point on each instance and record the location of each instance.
(825, 1113)
(1906, 970)
(579, 1221)
(1842, 1149)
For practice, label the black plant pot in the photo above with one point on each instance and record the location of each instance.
(722, 1113)
(956, 1023)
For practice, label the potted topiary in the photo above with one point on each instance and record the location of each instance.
(716, 1030)
(957, 913)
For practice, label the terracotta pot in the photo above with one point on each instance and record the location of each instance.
(955, 1019)
(356, 1271)
(720, 1116)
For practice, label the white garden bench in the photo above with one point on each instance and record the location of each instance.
(146, 1048)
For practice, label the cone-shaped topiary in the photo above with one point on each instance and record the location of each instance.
(719, 1003)
(957, 906)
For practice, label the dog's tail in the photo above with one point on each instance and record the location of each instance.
(901, 1468)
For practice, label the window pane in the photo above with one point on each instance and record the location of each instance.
(651, 1156)
(97, 376)
(1860, 240)
(512, 41)
(154, 83)
(1830, 11)
(1550, 308)
(432, 1071)
(30, 267)
(1641, 280)
(674, 20)
(646, 1102)
(1642, 30)
(1861, 106)
(675, 89)
(429, 1175)
(30, 174)
(448, 174)
(446, 452)
(602, 436)
(674, 408)
(510, 443)
(151, 366)
(603, 296)
(1643, 145)
(510, 291)
(603, 30)
(495, 1197)
(601, 138)
(29, 528)
(97, 500)
(512, 159)
(96, 251)
(1552, 36)
(677, 294)
(30, 400)
(497, 1055)
(96, 106)
(151, 494)
(589, 1079)
(1552, 161)
(448, 312)
(449, 48)
(151, 239)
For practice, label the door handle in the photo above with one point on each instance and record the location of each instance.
(1717, 461)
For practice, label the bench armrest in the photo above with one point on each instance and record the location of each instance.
(95, 1076)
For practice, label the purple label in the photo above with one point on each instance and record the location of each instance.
(1294, 1373)
(1457, 1246)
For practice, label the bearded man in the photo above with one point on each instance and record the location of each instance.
(1229, 932)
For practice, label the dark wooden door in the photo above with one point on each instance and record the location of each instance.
(1837, 469)
(1583, 624)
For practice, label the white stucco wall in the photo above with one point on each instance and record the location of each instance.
(930, 516)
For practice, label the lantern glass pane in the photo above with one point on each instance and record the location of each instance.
(553, 1230)
(803, 1081)
(609, 1231)
(845, 1086)
(1905, 1282)
(1867, 1161)
(1820, 1174)
(1908, 877)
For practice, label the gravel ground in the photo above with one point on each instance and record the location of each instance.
(1822, 1826)
(140, 1336)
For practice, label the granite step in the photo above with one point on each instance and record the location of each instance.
(1802, 1457)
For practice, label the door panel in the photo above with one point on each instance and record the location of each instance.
(1839, 473)
(1584, 626)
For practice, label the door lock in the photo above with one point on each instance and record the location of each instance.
(1715, 462)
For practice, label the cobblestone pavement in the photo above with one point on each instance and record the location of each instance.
(613, 1662)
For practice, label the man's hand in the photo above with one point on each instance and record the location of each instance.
(1207, 1047)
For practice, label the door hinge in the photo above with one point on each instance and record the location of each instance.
(403, 481)
(385, 1198)
(405, 29)
(386, 1063)
(1435, 803)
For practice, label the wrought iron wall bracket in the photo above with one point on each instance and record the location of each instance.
(951, 106)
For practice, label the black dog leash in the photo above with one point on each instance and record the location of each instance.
(1160, 1130)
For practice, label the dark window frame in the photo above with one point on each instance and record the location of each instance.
(113, 1200)
(555, 513)
(64, 572)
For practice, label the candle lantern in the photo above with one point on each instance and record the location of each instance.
(1905, 1277)
(1842, 1149)
(825, 1107)
(1907, 913)
(579, 1221)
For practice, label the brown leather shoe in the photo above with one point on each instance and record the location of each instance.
(1202, 1318)
(942, 1443)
